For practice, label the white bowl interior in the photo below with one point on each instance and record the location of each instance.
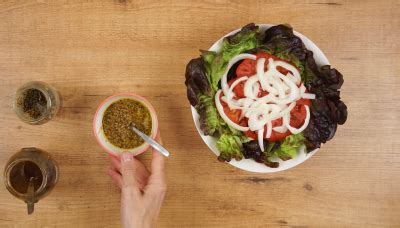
(105, 143)
(249, 164)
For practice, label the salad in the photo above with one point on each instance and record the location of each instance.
(264, 97)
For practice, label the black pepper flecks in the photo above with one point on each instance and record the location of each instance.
(33, 103)
(119, 116)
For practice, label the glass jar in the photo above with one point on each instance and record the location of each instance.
(36, 102)
(30, 175)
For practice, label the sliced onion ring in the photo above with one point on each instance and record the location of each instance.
(261, 138)
(293, 130)
(224, 117)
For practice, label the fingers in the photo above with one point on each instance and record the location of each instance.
(157, 185)
(157, 162)
(136, 176)
(127, 170)
(115, 177)
(141, 174)
(115, 163)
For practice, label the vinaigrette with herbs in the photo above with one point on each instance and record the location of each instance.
(119, 116)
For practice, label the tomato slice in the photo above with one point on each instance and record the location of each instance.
(304, 102)
(298, 113)
(233, 115)
(276, 136)
(251, 134)
(239, 88)
(248, 66)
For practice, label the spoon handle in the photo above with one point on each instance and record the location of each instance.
(151, 141)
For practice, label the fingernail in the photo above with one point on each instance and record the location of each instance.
(126, 157)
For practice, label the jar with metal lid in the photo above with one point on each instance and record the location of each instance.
(36, 102)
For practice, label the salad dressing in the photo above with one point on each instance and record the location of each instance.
(119, 116)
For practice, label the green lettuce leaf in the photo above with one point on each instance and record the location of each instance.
(289, 147)
(208, 59)
(209, 116)
(216, 63)
(229, 146)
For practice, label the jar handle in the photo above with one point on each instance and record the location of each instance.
(30, 202)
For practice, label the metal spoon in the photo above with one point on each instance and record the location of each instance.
(150, 141)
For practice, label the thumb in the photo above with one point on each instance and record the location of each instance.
(127, 170)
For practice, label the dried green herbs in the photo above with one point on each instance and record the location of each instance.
(119, 116)
(33, 103)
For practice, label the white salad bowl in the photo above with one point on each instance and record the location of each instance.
(249, 164)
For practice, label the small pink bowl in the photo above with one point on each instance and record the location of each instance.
(98, 124)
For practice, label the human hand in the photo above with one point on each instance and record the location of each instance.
(142, 192)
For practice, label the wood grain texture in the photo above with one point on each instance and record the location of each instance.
(89, 50)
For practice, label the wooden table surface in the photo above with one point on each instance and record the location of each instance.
(89, 50)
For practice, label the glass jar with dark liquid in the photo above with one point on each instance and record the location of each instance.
(30, 175)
